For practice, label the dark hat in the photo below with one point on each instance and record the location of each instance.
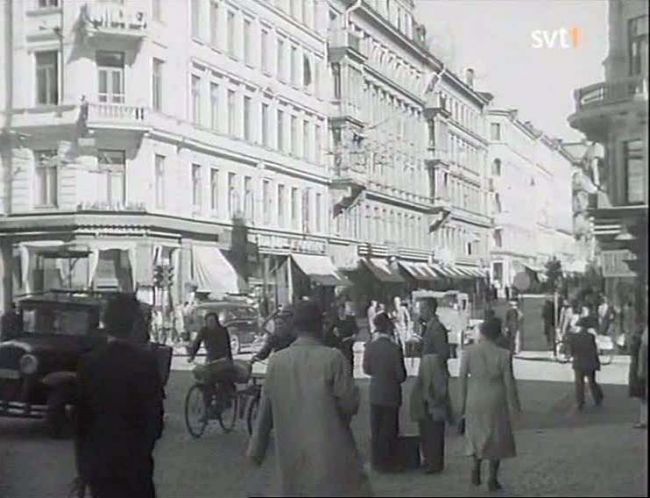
(307, 316)
(383, 323)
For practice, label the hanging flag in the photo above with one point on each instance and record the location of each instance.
(306, 70)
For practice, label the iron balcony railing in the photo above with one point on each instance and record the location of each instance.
(611, 92)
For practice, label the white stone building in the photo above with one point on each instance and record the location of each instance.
(190, 133)
(532, 200)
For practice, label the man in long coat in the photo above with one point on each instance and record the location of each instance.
(435, 339)
(309, 398)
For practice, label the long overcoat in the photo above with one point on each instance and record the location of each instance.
(488, 398)
(309, 398)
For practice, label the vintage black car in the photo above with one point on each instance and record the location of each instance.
(241, 319)
(37, 367)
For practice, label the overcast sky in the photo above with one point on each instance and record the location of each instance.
(495, 38)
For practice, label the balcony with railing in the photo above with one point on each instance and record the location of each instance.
(608, 98)
(108, 115)
(342, 41)
(101, 19)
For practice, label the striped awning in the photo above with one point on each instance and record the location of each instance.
(382, 270)
(419, 271)
(471, 271)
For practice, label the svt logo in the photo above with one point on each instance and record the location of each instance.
(557, 38)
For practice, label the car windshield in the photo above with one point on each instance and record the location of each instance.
(56, 320)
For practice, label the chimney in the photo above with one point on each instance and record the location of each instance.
(469, 77)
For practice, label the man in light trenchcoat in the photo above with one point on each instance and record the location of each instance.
(309, 399)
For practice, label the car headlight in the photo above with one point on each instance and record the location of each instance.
(28, 364)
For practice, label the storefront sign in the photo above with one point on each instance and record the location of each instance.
(291, 245)
(344, 257)
(614, 263)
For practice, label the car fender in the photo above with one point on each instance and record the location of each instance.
(56, 379)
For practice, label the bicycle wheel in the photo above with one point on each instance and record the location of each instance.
(251, 416)
(228, 412)
(606, 357)
(562, 353)
(196, 416)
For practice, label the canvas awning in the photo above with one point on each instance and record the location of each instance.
(320, 269)
(382, 270)
(419, 271)
(212, 272)
(442, 271)
(471, 271)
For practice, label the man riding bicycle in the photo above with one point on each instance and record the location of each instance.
(279, 336)
(217, 345)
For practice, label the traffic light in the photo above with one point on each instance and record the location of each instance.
(158, 276)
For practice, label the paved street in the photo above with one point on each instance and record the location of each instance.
(597, 453)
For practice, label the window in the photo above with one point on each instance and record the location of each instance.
(156, 85)
(319, 212)
(45, 4)
(230, 38)
(281, 130)
(196, 186)
(214, 24)
(634, 169)
(294, 135)
(214, 190)
(497, 203)
(336, 76)
(306, 211)
(196, 99)
(281, 61)
(294, 62)
(248, 35)
(156, 10)
(638, 45)
(496, 167)
(47, 82)
(495, 131)
(249, 200)
(267, 202)
(214, 106)
(196, 16)
(247, 118)
(46, 178)
(112, 172)
(232, 195)
(295, 209)
(281, 206)
(265, 40)
(231, 112)
(305, 139)
(317, 144)
(265, 125)
(498, 238)
(160, 181)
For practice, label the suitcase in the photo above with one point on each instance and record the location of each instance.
(408, 453)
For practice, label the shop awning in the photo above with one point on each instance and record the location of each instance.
(381, 269)
(212, 272)
(419, 271)
(320, 269)
(471, 271)
(441, 271)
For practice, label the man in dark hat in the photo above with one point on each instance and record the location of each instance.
(435, 339)
(308, 399)
(384, 363)
(584, 351)
(119, 409)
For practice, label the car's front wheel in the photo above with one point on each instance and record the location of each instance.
(55, 415)
(235, 344)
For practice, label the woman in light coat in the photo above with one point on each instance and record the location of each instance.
(488, 400)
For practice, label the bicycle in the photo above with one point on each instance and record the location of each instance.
(606, 350)
(224, 407)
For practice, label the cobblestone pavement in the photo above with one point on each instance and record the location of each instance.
(596, 453)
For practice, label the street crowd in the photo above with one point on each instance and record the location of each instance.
(309, 396)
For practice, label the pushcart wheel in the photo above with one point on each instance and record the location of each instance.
(562, 353)
(606, 356)
(228, 413)
(196, 416)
